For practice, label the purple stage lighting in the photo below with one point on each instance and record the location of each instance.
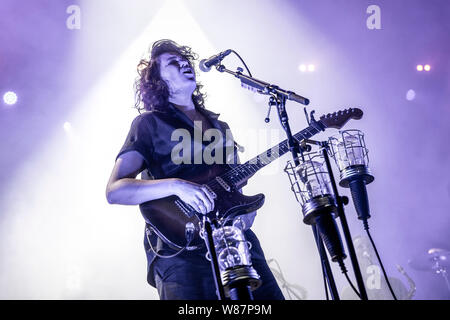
(302, 68)
(10, 98)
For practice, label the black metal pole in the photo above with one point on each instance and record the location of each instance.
(241, 291)
(345, 228)
(214, 263)
(326, 268)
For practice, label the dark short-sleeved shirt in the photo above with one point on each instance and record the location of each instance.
(151, 135)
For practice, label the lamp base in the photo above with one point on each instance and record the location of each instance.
(234, 279)
(359, 171)
(316, 205)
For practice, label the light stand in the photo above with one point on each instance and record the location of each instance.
(348, 238)
(296, 150)
(350, 153)
(313, 185)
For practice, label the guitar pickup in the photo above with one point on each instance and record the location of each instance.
(223, 184)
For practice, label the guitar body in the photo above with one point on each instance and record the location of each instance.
(168, 216)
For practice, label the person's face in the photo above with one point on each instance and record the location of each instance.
(177, 73)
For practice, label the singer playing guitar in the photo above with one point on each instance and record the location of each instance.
(171, 100)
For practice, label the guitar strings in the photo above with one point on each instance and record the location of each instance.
(311, 130)
(213, 184)
(258, 159)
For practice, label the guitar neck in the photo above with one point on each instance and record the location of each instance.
(243, 172)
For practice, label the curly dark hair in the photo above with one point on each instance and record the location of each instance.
(152, 92)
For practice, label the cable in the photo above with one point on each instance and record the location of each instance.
(345, 272)
(366, 227)
(351, 284)
(289, 287)
(147, 233)
(237, 54)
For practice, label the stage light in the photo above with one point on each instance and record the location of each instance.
(419, 67)
(305, 68)
(10, 98)
(410, 95)
(427, 67)
(67, 126)
(302, 67)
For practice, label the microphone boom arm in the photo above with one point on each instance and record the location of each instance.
(264, 87)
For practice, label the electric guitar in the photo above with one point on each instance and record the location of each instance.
(169, 216)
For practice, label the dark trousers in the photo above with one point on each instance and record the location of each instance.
(189, 276)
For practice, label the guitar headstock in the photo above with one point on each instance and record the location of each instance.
(338, 119)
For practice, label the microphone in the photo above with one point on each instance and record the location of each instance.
(206, 64)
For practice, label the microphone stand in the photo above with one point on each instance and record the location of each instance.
(280, 96)
(264, 87)
(340, 202)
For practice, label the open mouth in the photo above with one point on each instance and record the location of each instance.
(189, 74)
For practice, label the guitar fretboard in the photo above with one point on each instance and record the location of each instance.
(242, 172)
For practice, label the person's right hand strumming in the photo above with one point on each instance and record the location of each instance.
(195, 195)
(124, 188)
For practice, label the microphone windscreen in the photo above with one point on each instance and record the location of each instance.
(203, 67)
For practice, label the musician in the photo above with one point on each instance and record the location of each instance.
(171, 98)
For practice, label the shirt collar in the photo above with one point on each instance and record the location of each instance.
(209, 113)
